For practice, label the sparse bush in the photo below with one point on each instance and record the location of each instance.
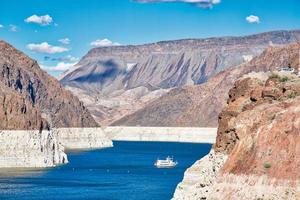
(291, 95)
(284, 79)
(267, 165)
(273, 75)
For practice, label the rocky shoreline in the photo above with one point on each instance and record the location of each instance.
(162, 134)
(35, 149)
(199, 178)
(32, 149)
(83, 138)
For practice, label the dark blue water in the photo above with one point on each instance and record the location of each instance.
(123, 172)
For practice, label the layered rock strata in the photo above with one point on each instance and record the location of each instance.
(105, 73)
(259, 132)
(30, 149)
(200, 105)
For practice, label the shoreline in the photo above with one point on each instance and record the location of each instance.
(29, 149)
(162, 134)
(33, 149)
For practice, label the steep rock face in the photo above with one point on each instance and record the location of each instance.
(16, 112)
(261, 125)
(200, 177)
(34, 86)
(30, 149)
(204, 102)
(259, 133)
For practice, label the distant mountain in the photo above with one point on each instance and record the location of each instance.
(30, 97)
(167, 64)
(171, 64)
(200, 105)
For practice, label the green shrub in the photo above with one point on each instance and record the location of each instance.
(267, 165)
(283, 79)
(291, 95)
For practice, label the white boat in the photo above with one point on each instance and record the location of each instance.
(167, 163)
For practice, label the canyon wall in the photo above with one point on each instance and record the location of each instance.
(258, 139)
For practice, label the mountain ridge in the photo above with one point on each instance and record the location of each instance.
(105, 71)
(43, 93)
(209, 97)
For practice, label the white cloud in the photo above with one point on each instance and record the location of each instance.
(253, 19)
(1, 26)
(60, 67)
(13, 28)
(64, 41)
(46, 48)
(43, 20)
(104, 43)
(199, 3)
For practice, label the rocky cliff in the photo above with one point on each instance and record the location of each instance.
(200, 105)
(31, 104)
(257, 143)
(30, 149)
(16, 112)
(36, 94)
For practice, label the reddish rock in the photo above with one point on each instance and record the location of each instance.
(263, 137)
(22, 76)
(18, 113)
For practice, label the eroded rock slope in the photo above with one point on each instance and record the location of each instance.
(199, 105)
(111, 73)
(38, 90)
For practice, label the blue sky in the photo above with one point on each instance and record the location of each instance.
(130, 22)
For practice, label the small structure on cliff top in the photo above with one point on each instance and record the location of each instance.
(288, 69)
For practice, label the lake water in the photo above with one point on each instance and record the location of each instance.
(123, 172)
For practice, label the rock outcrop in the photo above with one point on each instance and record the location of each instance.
(109, 71)
(16, 112)
(199, 105)
(30, 149)
(259, 132)
(200, 177)
(23, 75)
